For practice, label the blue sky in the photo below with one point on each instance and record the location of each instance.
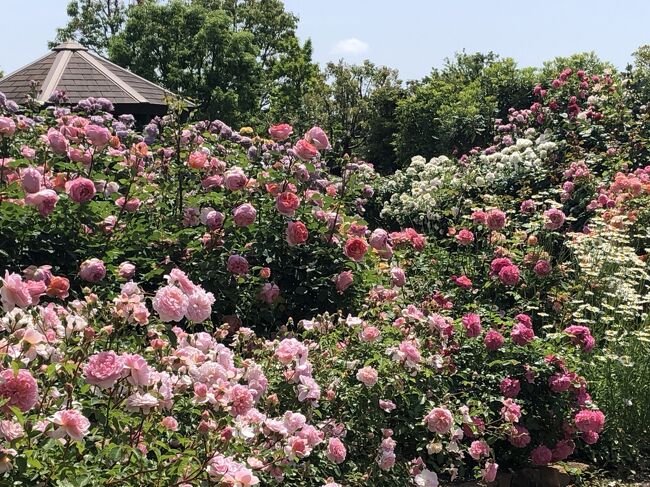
(411, 35)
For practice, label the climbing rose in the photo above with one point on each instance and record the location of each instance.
(510, 387)
(170, 303)
(20, 389)
(397, 277)
(70, 422)
(519, 436)
(426, 478)
(479, 449)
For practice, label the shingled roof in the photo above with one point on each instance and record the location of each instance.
(81, 73)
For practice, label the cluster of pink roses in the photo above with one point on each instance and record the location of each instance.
(181, 298)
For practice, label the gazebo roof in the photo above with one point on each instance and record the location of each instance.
(81, 73)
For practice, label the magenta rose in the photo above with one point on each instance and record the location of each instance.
(80, 189)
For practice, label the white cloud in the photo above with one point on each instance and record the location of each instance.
(352, 46)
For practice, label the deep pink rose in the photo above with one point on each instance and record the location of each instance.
(509, 275)
(542, 268)
(287, 203)
(493, 340)
(541, 455)
(495, 219)
(297, 233)
(355, 248)
(237, 265)
(20, 389)
(244, 215)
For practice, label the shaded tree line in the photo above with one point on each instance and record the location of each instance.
(241, 61)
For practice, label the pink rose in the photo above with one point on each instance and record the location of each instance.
(77, 155)
(439, 420)
(318, 138)
(472, 324)
(98, 136)
(304, 150)
(355, 248)
(510, 411)
(493, 340)
(126, 270)
(510, 387)
(244, 215)
(465, 237)
(495, 219)
(70, 422)
(397, 277)
(489, 473)
(280, 131)
(368, 376)
(378, 239)
(139, 370)
(11, 430)
(92, 270)
(289, 350)
(20, 389)
(509, 275)
(57, 141)
(554, 219)
(31, 180)
(104, 369)
(7, 127)
(479, 449)
(170, 423)
(541, 455)
(269, 293)
(522, 334)
(14, 292)
(336, 451)
(588, 420)
(563, 450)
(235, 179)
(287, 203)
(199, 305)
(297, 233)
(519, 436)
(369, 334)
(237, 265)
(343, 281)
(171, 303)
(542, 268)
(80, 189)
(45, 201)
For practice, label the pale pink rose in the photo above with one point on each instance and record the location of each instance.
(237, 265)
(336, 451)
(80, 190)
(92, 270)
(139, 370)
(199, 305)
(368, 375)
(269, 293)
(369, 334)
(57, 141)
(280, 131)
(439, 420)
(70, 422)
(387, 405)
(126, 270)
(287, 203)
(11, 430)
(180, 279)
(297, 233)
(104, 369)
(170, 303)
(45, 201)
(81, 156)
(170, 423)
(304, 150)
(14, 292)
(290, 349)
(489, 473)
(36, 289)
(426, 478)
(318, 138)
(244, 215)
(141, 403)
(98, 136)
(31, 180)
(235, 179)
(20, 389)
(344, 280)
(131, 205)
(479, 449)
